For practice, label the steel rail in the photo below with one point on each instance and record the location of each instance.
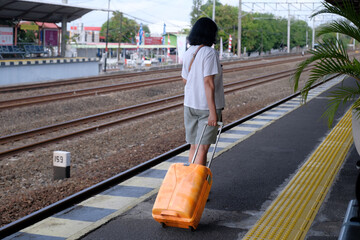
(38, 131)
(115, 75)
(83, 92)
(106, 184)
(248, 67)
(18, 136)
(87, 130)
(18, 102)
(73, 81)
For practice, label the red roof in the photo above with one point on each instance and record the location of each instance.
(87, 28)
(47, 25)
(92, 29)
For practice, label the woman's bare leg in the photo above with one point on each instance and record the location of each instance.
(201, 156)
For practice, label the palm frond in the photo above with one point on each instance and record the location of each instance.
(299, 70)
(341, 95)
(330, 112)
(356, 106)
(329, 59)
(341, 26)
(347, 10)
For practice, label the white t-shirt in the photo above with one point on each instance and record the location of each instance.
(206, 63)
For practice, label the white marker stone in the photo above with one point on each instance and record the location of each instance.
(61, 165)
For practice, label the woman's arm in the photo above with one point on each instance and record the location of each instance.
(210, 98)
(184, 81)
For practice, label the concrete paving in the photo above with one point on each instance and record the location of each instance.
(254, 162)
(248, 177)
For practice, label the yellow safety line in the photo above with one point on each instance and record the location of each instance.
(293, 211)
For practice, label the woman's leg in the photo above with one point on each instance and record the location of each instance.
(201, 156)
(192, 152)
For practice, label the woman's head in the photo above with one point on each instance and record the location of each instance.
(203, 32)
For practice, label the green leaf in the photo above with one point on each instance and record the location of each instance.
(341, 96)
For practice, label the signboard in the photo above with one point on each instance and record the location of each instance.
(29, 27)
(51, 37)
(6, 36)
(153, 41)
(181, 47)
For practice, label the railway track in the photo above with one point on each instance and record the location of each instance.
(116, 75)
(18, 102)
(103, 185)
(18, 142)
(77, 81)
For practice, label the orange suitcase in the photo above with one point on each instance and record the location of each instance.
(184, 192)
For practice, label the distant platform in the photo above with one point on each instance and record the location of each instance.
(28, 70)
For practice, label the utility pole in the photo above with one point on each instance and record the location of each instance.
(239, 30)
(107, 35)
(213, 15)
(221, 48)
(288, 30)
(120, 36)
(354, 44)
(313, 34)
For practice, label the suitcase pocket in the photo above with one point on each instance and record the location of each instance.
(169, 213)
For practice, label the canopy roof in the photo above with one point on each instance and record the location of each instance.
(40, 11)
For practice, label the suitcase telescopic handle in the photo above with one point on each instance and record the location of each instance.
(220, 124)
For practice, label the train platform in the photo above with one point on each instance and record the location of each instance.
(282, 174)
(43, 69)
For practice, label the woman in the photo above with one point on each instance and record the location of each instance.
(204, 91)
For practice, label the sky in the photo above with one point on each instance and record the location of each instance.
(174, 13)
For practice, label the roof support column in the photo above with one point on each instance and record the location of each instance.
(63, 35)
(16, 33)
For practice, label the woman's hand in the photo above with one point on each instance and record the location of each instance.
(212, 119)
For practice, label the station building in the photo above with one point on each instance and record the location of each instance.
(50, 48)
(35, 57)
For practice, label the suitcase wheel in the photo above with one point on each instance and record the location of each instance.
(163, 225)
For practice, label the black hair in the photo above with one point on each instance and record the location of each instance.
(204, 32)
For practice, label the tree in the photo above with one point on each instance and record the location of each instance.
(204, 10)
(298, 33)
(225, 15)
(26, 36)
(260, 31)
(196, 11)
(332, 36)
(129, 29)
(331, 57)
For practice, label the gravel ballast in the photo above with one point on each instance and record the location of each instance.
(26, 179)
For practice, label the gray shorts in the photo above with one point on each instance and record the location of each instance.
(195, 120)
